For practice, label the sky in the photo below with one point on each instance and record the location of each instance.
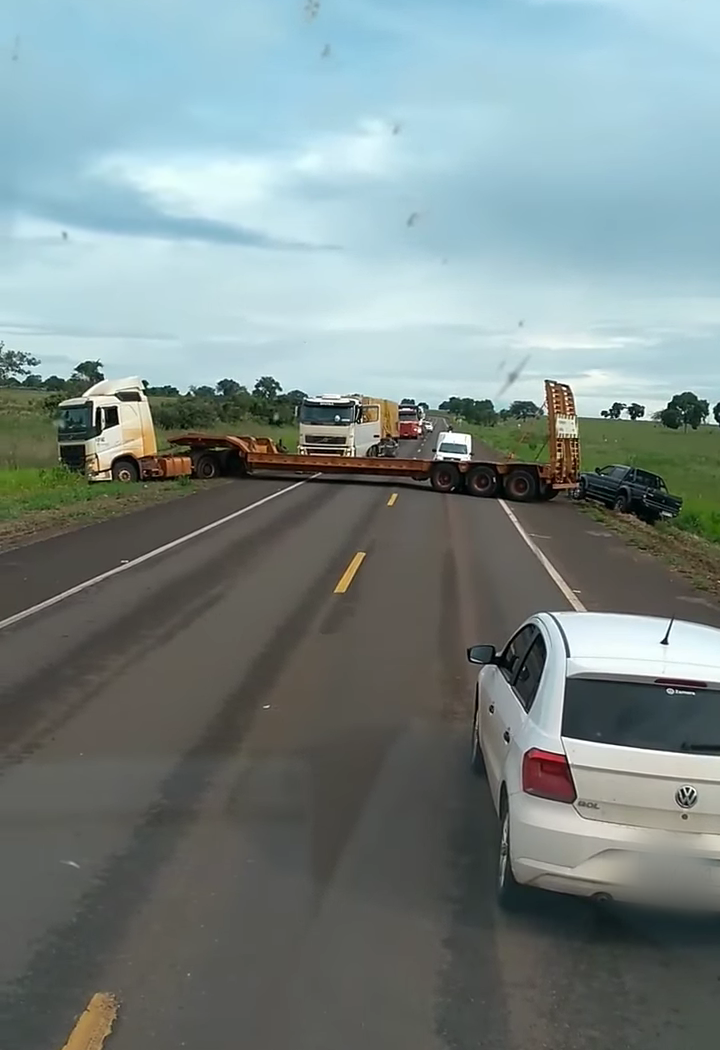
(401, 197)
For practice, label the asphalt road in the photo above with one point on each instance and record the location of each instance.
(240, 801)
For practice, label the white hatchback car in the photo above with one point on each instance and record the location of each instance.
(599, 735)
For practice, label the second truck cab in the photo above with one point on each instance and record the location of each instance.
(347, 425)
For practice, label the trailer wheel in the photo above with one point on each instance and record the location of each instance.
(207, 467)
(125, 470)
(444, 477)
(547, 492)
(482, 481)
(521, 485)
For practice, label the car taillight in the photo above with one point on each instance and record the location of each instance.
(547, 775)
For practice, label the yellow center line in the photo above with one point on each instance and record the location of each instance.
(349, 575)
(95, 1024)
(391, 501)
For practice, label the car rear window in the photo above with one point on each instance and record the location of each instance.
(642, 715)
(453, 448)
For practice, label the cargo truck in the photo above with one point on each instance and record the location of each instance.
(411, 421)
(108, 433)
(348, 425)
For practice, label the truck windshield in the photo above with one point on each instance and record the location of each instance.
(409, 414)
(75, 422)
(327, 415)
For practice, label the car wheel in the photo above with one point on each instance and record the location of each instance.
(621, 504)
(477, 762)
(510, 893)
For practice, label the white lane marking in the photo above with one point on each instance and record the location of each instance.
(124, 566)
(562, 585)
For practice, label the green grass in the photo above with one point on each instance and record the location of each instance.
(689, 462)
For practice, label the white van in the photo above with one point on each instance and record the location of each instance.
(453, 447)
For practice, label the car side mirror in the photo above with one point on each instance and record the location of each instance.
(482, 654)
(597, 470)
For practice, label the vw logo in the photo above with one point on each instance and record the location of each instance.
(686, 796)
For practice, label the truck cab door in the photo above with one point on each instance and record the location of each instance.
(109, 439)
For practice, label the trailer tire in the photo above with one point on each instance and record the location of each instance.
(482, 481)
(521, 485)
(207, 467)
(444, 477)
(125, 470)
(547, 492)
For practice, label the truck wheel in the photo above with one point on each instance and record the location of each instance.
(622, 503)
(547, 492)
(207, 467)
(521, 485)
(444, 477)
(482, 481)
(125, 470)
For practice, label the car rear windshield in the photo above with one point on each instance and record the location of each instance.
(642, 715)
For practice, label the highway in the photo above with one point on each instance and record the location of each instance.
(235, 794)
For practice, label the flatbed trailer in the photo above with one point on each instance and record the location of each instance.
(213, 455)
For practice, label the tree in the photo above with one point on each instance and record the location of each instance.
(691, 409)
(636, 411)
(205, 392)
(267, 388)
(616, 409)
(716, 413)
(671, 418)
(15, 364)
(34, 381)
(162, 391)
(228, 387)
(89, 372)
(605, 413)
(55, 383)
(424, 406)
(524, 410)
(295, 397)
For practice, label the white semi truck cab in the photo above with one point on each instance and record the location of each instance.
(344, 425)
(108, 432)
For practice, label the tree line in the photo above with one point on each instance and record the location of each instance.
(484, 413)
(682, 410)
(201, 406)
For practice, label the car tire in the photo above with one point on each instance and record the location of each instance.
(477, 762)
(621, 504)
(510, 893)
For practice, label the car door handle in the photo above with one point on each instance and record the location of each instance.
(506, 736)
(491, 709)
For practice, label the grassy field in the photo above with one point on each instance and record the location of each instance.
(35, 493)
(690, 463)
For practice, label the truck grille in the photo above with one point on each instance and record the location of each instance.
(326, 439)
(73, 457)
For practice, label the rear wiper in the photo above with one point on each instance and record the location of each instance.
(710, 748)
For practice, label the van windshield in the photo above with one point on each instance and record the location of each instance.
(454, 448)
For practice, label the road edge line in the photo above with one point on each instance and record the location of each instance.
(562, 584)
(24, 614)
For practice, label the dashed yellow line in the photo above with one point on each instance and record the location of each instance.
(393, 498)
(95, 1024)
(349, 575)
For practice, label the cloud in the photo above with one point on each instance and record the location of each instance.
(560, 156)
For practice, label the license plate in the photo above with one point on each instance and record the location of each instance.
(679, 871)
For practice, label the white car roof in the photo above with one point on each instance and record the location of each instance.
(622, 643)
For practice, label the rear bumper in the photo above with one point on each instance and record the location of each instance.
(554, 848)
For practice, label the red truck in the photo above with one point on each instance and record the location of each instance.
(410, 420)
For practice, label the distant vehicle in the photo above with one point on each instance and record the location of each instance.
(453, 448)
(428, 426)
(630, 490)
(599, 736)
(411, 420)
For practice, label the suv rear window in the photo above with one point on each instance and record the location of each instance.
(642, 715)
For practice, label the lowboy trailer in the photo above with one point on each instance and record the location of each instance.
(523, 481)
